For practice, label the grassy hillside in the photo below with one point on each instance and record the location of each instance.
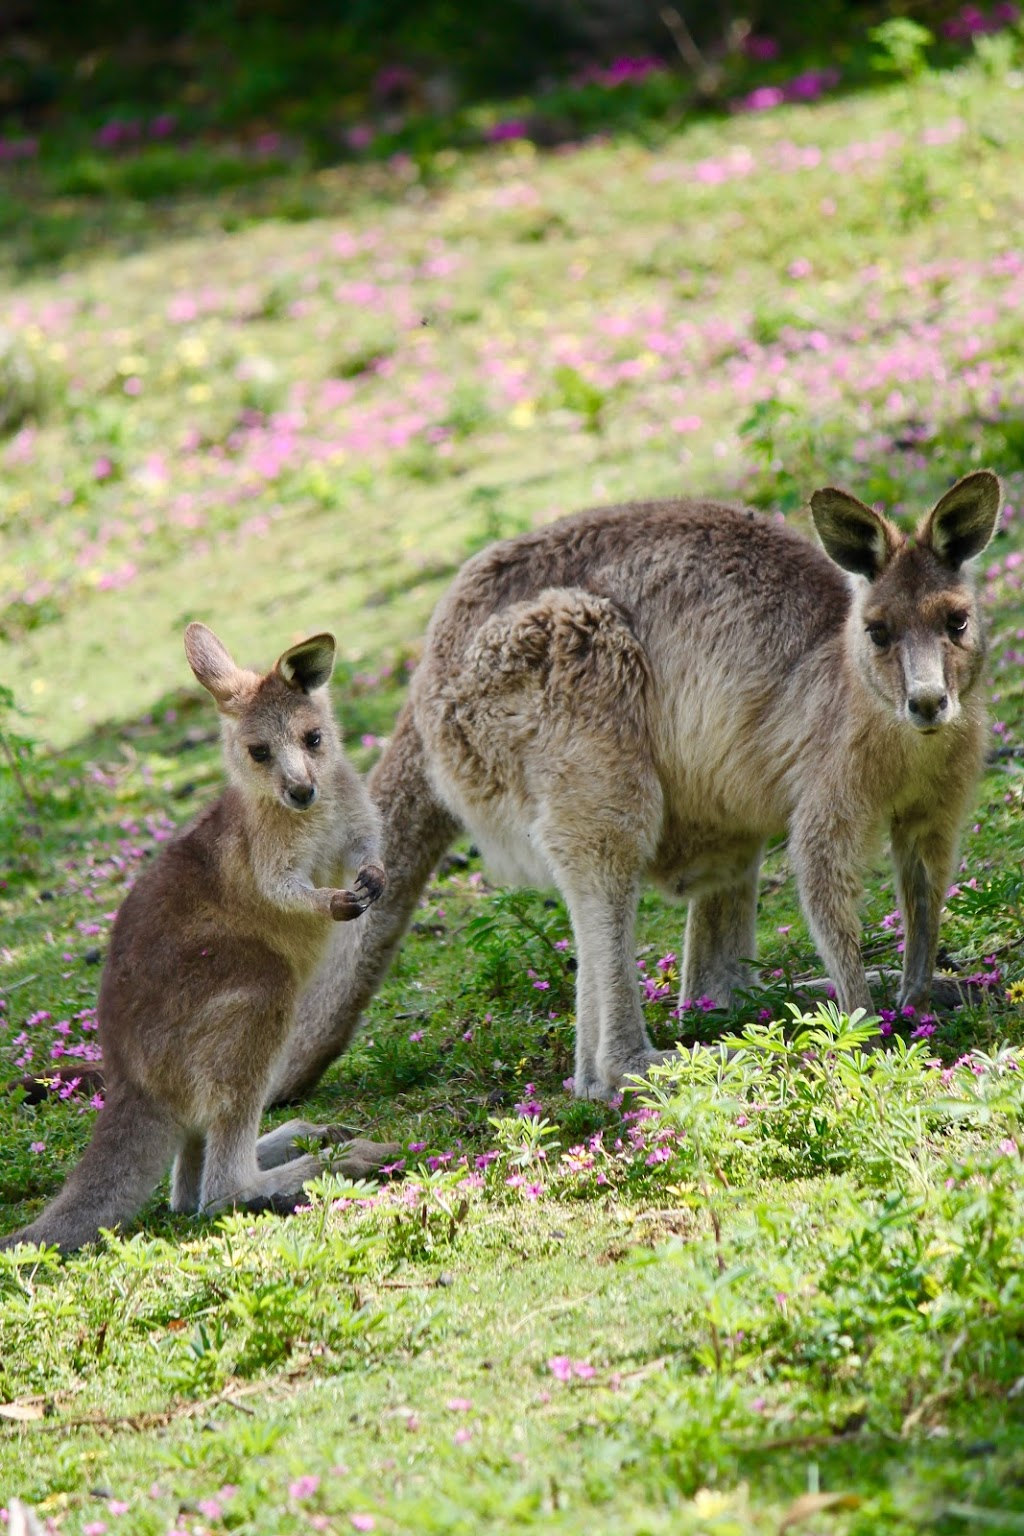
(782, 1293)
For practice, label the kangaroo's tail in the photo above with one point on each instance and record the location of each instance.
(417, 829)
(133, 1141)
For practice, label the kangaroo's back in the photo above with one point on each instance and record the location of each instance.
(672, 563)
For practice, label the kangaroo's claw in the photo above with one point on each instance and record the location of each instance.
(370, 882)
(345, 905)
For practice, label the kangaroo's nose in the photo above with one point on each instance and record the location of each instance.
(926, 706)
(300, 795)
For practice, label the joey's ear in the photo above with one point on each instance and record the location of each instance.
(855, 536)
(961, 523)
(309, 664)
(211, 662)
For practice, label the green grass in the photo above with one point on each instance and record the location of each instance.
(791, 1280)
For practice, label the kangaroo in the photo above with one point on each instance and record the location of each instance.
(209, 952)
(650, 692)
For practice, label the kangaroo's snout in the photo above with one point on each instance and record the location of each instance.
(928, 708)
(299, 796)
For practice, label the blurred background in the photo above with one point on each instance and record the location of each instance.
(118, 93)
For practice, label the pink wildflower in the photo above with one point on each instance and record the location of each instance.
(304, 1487)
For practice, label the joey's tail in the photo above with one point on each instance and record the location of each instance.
(417, 831)
(133, 1142)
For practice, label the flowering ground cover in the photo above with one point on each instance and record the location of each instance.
(778, 1292)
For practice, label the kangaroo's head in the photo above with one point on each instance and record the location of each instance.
(278, 729)
(915, 628)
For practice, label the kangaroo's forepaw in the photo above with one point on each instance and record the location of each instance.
(370, 883)
(345, 905)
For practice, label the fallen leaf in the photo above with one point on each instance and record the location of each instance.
(32, 1408)
(809, 1504)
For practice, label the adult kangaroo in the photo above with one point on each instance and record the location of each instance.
(649, 692)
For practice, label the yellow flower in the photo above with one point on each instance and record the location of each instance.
(707, 1503)
(523, 414)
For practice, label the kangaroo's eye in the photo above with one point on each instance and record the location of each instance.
(956, 625)
(260, 753)
(879, 635)
(312, 740)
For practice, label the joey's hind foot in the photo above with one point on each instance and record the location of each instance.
(281, 1204)
(360, 1159)
(286, 1142)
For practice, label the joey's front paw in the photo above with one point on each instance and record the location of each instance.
(345, 905)
(370, 883)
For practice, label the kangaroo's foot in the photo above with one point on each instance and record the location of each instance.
(282, 1144)
(944, 991)
(267, 1189)
(603, 1083)
(714, 1051)
(361, 1159)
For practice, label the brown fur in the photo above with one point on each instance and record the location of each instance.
(650, 692)
(210, 950)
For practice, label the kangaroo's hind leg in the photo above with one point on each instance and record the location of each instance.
(721, 938)
(232, 1175)
(542, 740)
(611, 1040)
(187, 1174)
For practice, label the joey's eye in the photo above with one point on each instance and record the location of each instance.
(312, 740)
(956, 625)
(260, 753)
(879, 635)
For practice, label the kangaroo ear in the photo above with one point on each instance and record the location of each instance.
(309, 664)
(211, 662)
(961, 523)
(855, 536)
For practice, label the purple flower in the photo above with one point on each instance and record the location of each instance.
(764, 49)
(762, 100)
(511, 128)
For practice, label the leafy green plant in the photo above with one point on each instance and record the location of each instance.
(576, 393)
(31, 386)
(521, 939)
(903, 45)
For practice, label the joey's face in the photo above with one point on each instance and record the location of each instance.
(278, 746)
(279, 735)
(919, 640)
